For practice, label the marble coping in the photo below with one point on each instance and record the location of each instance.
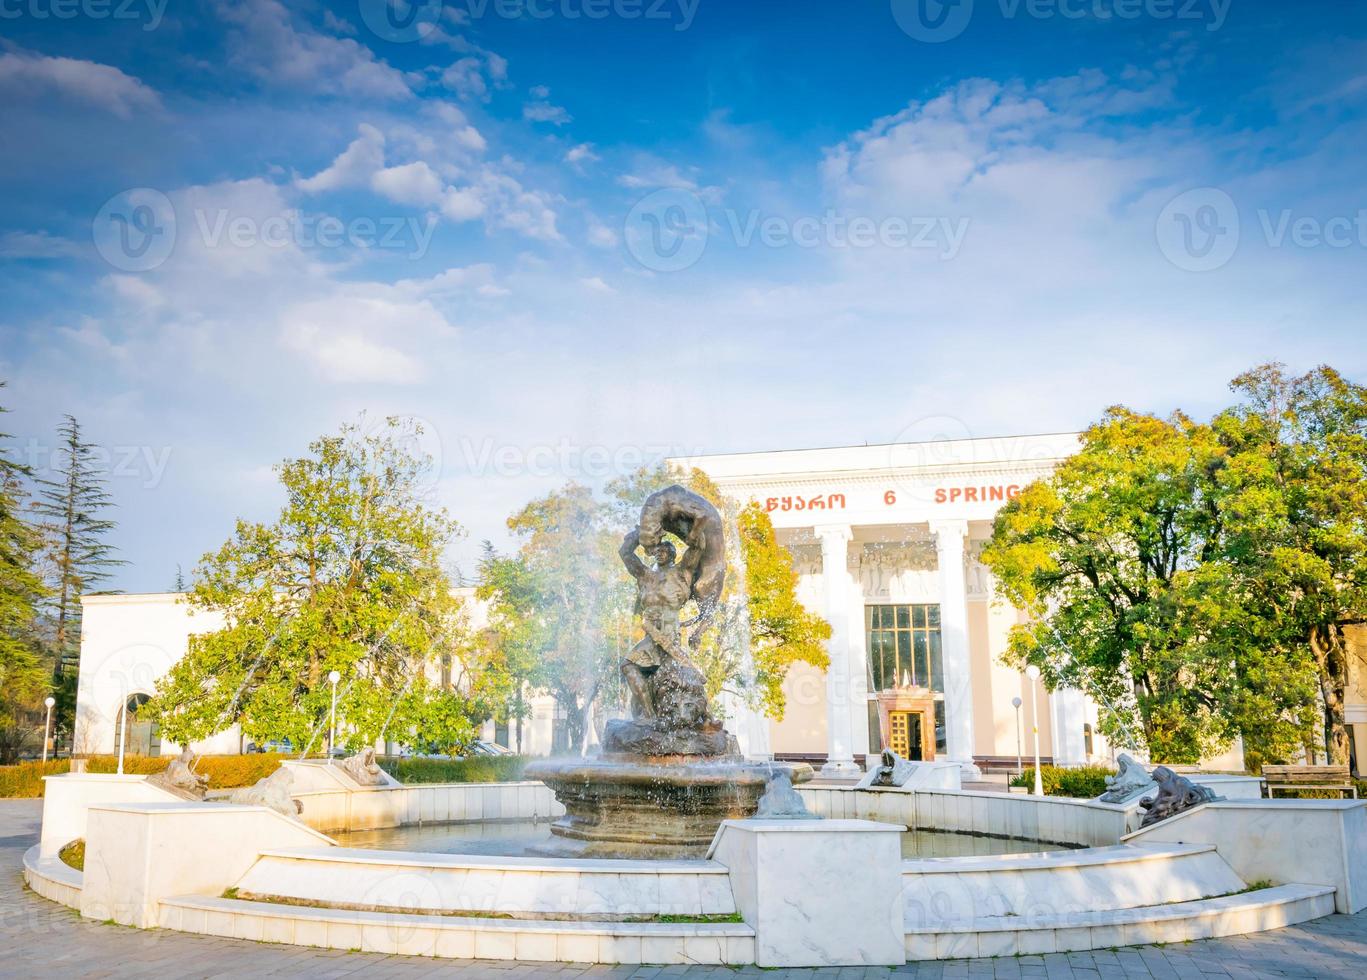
(456, 862)
(189, 806)
(1083, 858)
(752, 825)
(1143, 913)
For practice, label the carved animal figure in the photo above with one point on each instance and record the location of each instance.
(1175, 794)
(363, 768)
(180, 778)
(272, 791)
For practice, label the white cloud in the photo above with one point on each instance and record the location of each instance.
(545, 112)
(466, 135)
(37, 245)
(465, 77)
(462, 204)
(353, 167)
(577, 156)
(102, 86)
(267, 44)
(360, 336)
(600, 235)
(597, 285)
(410, 183)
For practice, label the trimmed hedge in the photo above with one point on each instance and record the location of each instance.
(231, 771)
(224, 771)
(476, 769)
(1083, 783)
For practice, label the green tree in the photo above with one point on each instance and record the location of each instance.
(1293, 501)
(1116, 558)
(23, 679)
(70, 506)
(560, 607)
(348, 578)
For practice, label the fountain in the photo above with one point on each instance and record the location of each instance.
(670, 774)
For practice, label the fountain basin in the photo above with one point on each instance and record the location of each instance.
(654, 805)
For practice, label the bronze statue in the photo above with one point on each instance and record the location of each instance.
(1175, 794)
(667, 689)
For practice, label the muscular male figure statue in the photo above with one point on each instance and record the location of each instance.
(661, 592)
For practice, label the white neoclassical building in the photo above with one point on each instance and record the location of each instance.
(885, 540)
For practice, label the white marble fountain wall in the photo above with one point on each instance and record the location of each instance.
(380, 807)
(1057, 820)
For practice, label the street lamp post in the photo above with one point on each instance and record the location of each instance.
(1016, 703)
(334, 677)
(122, 732)
(1032, 672)
(47, 724)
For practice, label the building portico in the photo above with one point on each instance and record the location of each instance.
(886, 542)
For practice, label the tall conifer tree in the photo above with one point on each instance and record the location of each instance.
(71, 505)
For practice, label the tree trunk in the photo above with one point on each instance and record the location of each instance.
(1331, 657)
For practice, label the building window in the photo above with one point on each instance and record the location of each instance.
(904, 647)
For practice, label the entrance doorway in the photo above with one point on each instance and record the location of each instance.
(908, 724)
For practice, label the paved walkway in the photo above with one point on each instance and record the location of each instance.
(39, 938)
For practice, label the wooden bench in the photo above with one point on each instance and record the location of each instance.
(1308, 777)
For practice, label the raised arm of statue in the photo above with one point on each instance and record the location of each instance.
(697, 543)
(633, 563)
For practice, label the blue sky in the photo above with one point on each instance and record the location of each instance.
(598, 233)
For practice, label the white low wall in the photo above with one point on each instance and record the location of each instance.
(817, 892)
(1320, 842)
(469, 884)
(1051, 819)
(137, 854)
(67, 799)
(381, 807)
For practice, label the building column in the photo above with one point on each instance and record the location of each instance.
(1068, 715)
(949, 549)
(835, 541)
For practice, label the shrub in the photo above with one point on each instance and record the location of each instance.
(25, 779)
(476, 769)
(231, 771)
(1083, 782)
(224, 771)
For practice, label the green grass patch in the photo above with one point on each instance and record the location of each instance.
(1082, 783)
(716, 917)
(73, 854)
(476, 769)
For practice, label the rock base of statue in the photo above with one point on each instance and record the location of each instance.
(627, 805)
(641, 738)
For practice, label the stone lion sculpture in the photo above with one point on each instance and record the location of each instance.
(180, 778)
(1131, 780)
(363, 768)
(893, 771)
(1175, 794)
(272, 791)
